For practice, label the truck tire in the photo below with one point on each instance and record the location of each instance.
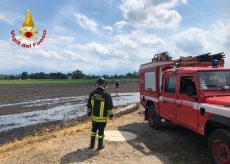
(153, 118)
(219, 146)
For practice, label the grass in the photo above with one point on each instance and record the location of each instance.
(49, 135)
(52, 81)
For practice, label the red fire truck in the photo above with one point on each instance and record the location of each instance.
(193, 92)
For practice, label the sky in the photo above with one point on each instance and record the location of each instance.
(111, 36)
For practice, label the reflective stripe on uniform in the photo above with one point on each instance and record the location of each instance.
(99, 119)
(98, 136)
(93, 134)
(102, 107)
(88, 110)
(110, 111)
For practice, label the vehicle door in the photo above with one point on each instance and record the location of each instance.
(168, 98)
(186, 100)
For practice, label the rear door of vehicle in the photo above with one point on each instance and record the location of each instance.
(168, 98)
(186, 112)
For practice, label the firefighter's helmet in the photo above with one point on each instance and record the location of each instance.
(101, 82)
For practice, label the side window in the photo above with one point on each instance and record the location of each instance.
(187, 86)
(150, 81)
(170, 84)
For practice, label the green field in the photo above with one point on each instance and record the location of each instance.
(64, 81)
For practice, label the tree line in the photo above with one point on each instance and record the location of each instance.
(73, 75)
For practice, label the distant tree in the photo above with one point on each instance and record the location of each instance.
(74, 75)
(24, 75)
(93, 76)
(105, 76)
(77, 74)
(4, 76)
(136, 74)
(12, 77)
(40, 75)
(52, 76)
(132, 75)
(43, 75)
(31, 76)
(60, 75)
(69, 75)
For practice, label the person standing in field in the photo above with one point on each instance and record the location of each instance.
(117, 85)
(100, 107)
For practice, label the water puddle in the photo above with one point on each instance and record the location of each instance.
(71, 108)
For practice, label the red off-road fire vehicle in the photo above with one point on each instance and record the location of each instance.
(193, 92)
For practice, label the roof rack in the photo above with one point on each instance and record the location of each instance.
(202, 60)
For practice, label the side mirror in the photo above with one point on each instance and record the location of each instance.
(195, 98)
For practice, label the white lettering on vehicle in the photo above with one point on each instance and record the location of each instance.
(219, 110)
(179, 101)
(173, 100)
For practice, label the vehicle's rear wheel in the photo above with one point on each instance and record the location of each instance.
(219, 146)
(153, 118)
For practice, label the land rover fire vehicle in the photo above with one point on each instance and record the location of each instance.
(193, 92)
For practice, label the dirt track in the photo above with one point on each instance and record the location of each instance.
(171, 144)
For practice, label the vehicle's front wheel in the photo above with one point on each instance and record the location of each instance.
(153, 118)
(219, 146)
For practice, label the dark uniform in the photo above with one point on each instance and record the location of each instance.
(100, 107)
(117, 84)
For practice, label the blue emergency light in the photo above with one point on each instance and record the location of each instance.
(215, 63)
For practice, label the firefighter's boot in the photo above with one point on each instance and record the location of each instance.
(92, 142)
(100, 144)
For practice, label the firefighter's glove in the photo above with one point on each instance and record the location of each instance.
(111, 116)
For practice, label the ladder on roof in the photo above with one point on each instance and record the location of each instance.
(192, 61)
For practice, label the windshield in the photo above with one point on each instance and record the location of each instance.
(214, 79)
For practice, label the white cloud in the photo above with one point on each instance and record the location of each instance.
(118, 53)
(138, 39)
(121, 24)
(11, 17)
(108, 28)
(220, 35)
(98, 48)
(218, 39)
(183, 1)
(59, 29)
(59, 39)
(6, 19)
(192, 41)
(195, 41)
(127, 41)
(151, 13)
(86, 22)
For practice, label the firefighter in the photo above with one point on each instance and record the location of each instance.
(99, 106)
(117, 84)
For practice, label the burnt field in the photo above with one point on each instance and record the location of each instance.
(29, 109)
(19, 93)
